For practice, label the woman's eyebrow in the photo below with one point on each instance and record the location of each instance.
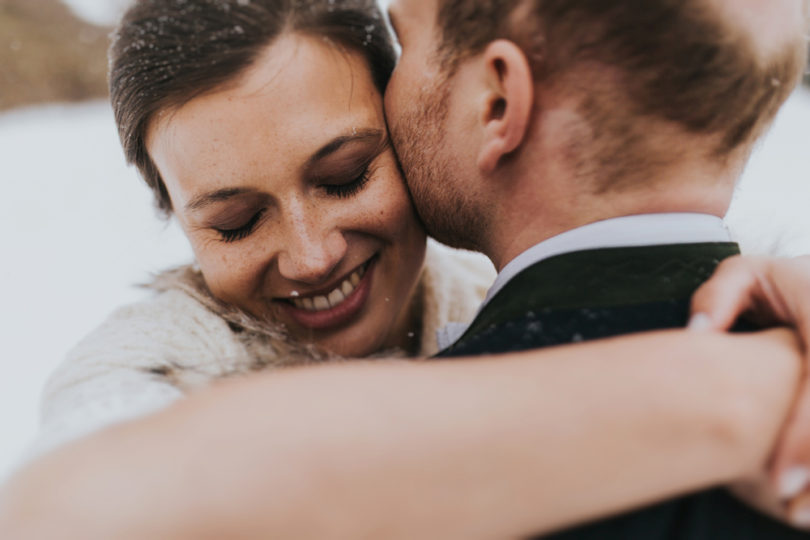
(339, 142)
(364, 135)
(206, 199)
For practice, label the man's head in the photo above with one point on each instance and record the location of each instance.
(607, 95)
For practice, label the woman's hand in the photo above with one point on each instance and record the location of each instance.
(769, 291)
(764, 290)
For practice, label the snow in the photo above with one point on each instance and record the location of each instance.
(103, 12)
(770, 212)
(79, 231)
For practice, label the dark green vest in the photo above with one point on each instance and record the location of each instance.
(606, 292)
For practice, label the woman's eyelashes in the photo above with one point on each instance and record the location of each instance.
(349, 188)
(358, 181)
(238, 233)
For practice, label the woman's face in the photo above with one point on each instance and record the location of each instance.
(291, 197)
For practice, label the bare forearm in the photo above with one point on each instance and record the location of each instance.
(461, 449)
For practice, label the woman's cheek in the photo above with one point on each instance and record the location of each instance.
(396, 213)
(233, 277)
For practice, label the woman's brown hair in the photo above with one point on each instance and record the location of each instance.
(166, 52)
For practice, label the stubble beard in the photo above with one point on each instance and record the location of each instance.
(448, 213)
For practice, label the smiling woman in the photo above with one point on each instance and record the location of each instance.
(260, 127)
(259, 124)
(290, 195)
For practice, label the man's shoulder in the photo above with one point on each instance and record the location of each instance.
(592, 294)
(540, 327)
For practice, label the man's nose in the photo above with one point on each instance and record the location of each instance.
(312, 251)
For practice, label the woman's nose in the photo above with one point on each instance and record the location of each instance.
(312, 251)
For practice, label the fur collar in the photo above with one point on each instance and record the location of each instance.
(267, 343)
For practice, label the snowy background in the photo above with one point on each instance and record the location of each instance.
(79, 231)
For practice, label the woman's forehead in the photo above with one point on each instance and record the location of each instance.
(299, 95)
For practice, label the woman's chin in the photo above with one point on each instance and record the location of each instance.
(351, 342)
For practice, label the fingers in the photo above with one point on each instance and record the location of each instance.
(730, 292)
(798, 512)
(797, 299)
(791, 462)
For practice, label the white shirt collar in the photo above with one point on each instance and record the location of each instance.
(626, 231)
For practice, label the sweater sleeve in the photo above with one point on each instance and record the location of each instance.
(140, 360)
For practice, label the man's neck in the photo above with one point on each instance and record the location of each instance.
(527, 225)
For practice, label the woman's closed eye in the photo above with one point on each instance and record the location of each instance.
(232, 234)
(351, 187)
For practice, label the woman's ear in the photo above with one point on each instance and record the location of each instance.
(509, 102)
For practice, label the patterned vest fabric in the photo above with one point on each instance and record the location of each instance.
(607, 292)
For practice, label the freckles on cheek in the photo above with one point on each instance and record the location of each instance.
(393, 217)
(224, 274)
(397, 212)
(234, 286)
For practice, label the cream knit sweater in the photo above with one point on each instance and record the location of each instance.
(147, 355)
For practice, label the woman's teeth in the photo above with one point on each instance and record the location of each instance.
(334, 298)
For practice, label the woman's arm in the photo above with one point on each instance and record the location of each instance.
(490, 447)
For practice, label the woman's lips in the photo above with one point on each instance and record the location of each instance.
(337, 307)
(331, 298)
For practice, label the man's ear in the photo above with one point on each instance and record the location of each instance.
(509, 102)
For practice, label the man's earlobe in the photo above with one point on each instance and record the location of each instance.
(508, 107)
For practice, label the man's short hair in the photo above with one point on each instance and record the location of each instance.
(677, 60)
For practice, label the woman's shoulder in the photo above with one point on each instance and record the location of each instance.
(458, 274)
(146, 355)
(454, 283)
(173, 326)
(182, 335)
(142, 358)
(471, 267)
